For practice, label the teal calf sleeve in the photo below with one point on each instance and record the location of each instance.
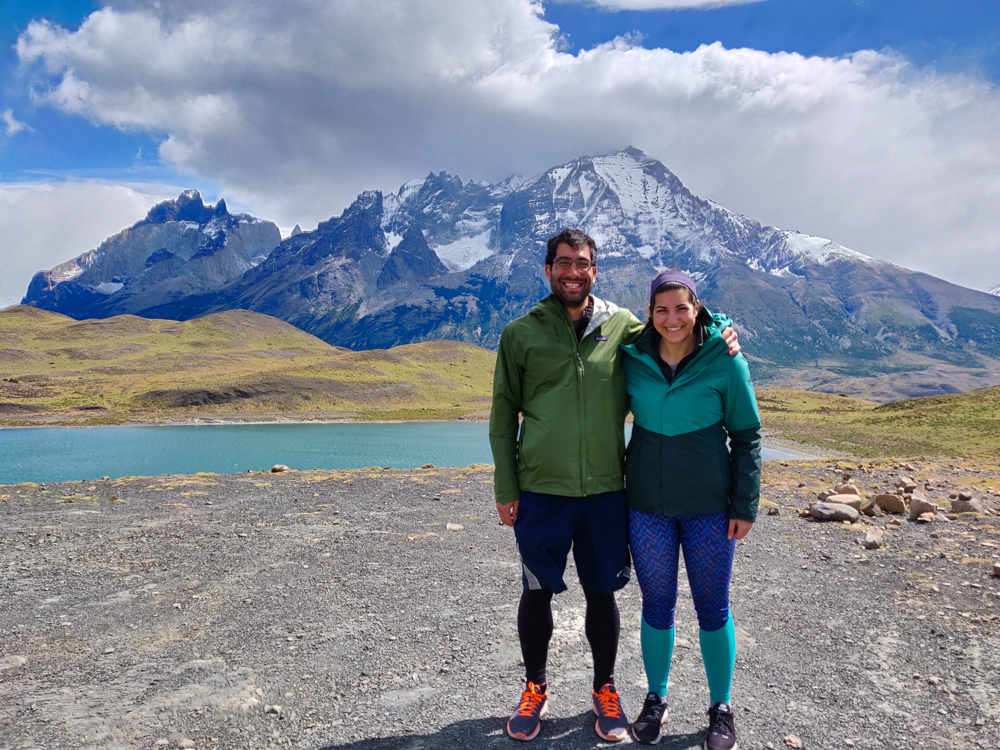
(718, 651)
(657, 651)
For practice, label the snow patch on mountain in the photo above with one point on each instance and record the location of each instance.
(391, 240)
(823, 250)
(995, 290)
(108, 287)
(465, 252)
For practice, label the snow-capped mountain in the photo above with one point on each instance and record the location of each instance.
(182, 247)
(995, 290)
(442, 258)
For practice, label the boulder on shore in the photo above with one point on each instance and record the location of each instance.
(847, 489)
(874, 538)
(968, 506)
(853, 500)
(833, 512)
(891, 503)
(918, 507)
(872, 509)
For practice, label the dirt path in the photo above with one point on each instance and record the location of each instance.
(339, 609)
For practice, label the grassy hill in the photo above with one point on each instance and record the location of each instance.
(964, 424)
(54, 369)
(243, 365)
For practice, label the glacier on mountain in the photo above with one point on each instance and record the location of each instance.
(465, 252)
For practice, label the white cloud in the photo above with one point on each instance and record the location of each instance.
(292, 108)
(13, 126)
(660, 4)
(44, 224)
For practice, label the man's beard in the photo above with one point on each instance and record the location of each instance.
(572, 298)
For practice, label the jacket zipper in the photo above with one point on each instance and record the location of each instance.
(581, 411)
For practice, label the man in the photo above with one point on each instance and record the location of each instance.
(559, 483)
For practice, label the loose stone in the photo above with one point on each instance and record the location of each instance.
(967, 506)
(874, 538)
(919, 506)
(852, 500)
(833, 512)
(278, 468)
(891, 503)
(793, 742)
(847, 489)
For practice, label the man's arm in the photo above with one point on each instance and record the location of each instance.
(503, 430)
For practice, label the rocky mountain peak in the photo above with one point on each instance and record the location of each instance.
(188, 206)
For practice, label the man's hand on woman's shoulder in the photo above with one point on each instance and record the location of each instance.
(729, 335)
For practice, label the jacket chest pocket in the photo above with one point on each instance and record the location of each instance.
(599, 356)
(549, 366)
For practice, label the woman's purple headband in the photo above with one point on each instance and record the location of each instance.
(679, 276)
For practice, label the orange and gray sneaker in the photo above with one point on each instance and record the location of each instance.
(526, 720)
(611, 722)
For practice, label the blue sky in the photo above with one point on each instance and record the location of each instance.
(60, 144)
(289, 108)
(949, 35)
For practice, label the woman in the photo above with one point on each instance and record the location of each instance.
(686, 490)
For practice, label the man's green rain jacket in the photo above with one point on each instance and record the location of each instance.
(572, 396)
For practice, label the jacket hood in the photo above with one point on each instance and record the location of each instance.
(551, 306)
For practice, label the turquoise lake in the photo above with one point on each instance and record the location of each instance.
(59, 454)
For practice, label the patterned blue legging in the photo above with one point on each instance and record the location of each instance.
(708, 558)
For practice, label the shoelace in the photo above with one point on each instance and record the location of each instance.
(651, 707)
(529, 702)
(608, 702)
(722, 723)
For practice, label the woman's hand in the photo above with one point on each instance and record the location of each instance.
(508, 512)
(729, 336)
(739, 528)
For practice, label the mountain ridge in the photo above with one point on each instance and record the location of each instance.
(802, 304)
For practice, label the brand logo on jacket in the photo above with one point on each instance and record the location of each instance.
(600, 338)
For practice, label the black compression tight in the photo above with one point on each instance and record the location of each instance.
(603, 626)
(534, 626)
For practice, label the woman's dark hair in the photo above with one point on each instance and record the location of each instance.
(667, 286)
(575, 239)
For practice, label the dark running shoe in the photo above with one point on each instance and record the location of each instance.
(648, 727)
(611, 723)
(721, 728)
(526, 720)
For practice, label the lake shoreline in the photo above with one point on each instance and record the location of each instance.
(773, 442)
(56, 454)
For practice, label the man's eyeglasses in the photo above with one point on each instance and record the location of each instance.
(563, 264)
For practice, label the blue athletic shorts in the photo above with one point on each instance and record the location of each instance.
(595, 526)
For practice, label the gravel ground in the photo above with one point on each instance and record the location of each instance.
(339, 609)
